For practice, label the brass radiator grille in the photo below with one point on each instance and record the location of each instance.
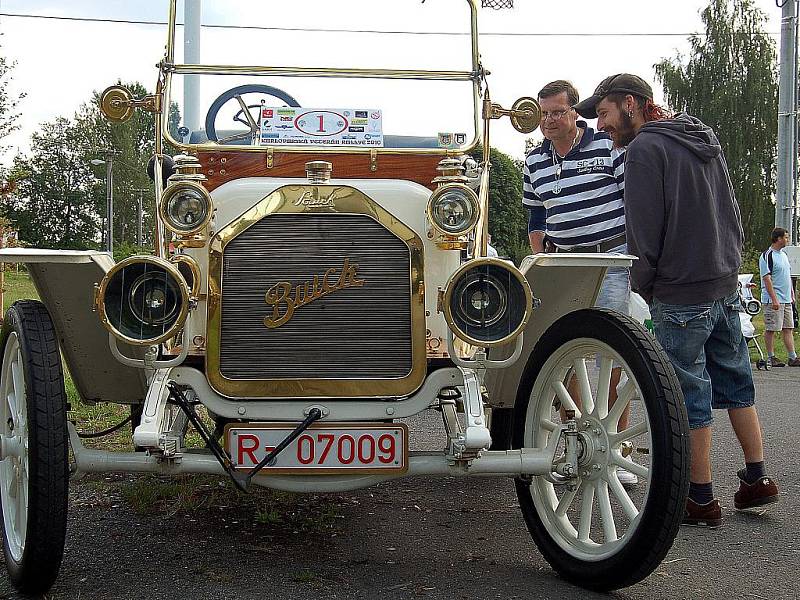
(357, 322)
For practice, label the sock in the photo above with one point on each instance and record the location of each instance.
(771, 355)
(752, 472)
(701, 493)
(792, 355)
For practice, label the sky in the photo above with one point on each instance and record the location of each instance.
(59, 63)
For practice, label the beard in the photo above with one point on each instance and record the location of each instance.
(625, 132)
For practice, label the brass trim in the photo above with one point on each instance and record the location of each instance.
(115, 103)
(448, 294)
(287, 200)
(476, 213)
(171, 190)
(197, 274)
(173, 271)
(326, 425)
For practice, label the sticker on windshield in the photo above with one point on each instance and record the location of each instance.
(321, 126)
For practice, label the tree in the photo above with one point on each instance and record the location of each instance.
(134, 144)
(8, 101)
(508, 218)
(53, 205)
(729, 82)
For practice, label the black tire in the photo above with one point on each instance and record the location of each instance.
(39, 556)
(753, 307)
(642, 548)
(267, 90)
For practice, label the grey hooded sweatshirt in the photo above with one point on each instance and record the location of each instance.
(682, 219)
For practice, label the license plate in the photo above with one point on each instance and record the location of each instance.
(322, 448)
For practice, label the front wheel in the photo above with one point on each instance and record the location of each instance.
(33, 432)
(592, 530)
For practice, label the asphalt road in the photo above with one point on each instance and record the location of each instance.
(424, 538)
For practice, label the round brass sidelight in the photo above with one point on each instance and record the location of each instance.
(526, 114)
(487, 302)
(185, 207)
(453, 209)
(143, 300)
(115, 103)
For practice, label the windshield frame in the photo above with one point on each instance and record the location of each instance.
(168, 68)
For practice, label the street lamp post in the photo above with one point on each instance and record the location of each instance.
(108, 162)
(140, 217)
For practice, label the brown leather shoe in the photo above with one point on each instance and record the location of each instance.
(703, 515)
(762, 491)
(794, 362)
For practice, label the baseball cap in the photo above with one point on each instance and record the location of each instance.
(621, 83)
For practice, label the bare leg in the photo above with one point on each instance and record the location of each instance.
(748, 430)
(769, 342)
(788, 339)
(575, 392)
(700, 440)
(616, 373)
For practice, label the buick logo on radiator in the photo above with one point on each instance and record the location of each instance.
(315, 201)
(284, 298)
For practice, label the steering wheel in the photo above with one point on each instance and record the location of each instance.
(245, 114)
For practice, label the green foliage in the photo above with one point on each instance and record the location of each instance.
(60, 201)
(508, 218)
(123, 250)
(8, 101)
(729, 82)
(53, 205)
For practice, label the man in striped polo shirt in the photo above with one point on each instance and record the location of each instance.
(573, 186)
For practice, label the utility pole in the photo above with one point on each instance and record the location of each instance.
(140, 218)
(109, 162)
(192, 16)
(787, 120)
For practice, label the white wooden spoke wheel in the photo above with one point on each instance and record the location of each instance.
(608, 372)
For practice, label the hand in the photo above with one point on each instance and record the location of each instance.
(776, 305)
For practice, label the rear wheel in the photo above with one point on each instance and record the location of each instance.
(591, 529)
(33, 431)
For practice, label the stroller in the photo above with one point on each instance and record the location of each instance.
(752, 306)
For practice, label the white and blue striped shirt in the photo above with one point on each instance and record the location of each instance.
(585, 205)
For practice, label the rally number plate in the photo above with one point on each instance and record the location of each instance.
(321, 449)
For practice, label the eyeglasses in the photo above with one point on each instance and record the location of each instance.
(555, 115)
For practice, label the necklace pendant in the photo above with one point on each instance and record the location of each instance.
(557, 188)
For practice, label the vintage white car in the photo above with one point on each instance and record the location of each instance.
(315, 281)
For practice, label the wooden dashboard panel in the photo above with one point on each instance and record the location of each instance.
(221, 167)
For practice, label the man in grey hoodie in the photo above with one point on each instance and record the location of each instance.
(684, 224)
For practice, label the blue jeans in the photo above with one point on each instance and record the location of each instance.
(705, 344)
(615, 291)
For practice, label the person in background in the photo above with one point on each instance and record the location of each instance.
(777, 298)
(491, 251)
(678, 189)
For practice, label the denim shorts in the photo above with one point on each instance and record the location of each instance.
(705, 344)
(615, 292)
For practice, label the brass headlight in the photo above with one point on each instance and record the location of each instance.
(143, 300)
(185, 207)
(487, 302)
(453, 209)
